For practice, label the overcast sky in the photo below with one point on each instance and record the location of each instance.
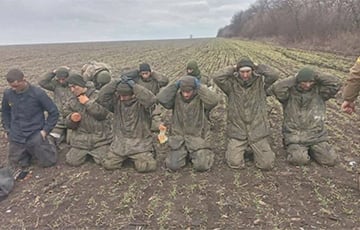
(44, 21)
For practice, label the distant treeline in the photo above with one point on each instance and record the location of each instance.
(331, 23)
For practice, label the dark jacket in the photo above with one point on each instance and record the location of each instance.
(23, 113)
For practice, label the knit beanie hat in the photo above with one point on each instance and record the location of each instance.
(144, 67)
(76, 79)
(124, 89)
(187, 83)
(62, 72)
(305, 74)
(245, 62)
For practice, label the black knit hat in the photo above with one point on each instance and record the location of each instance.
(76, 79)
(144, 67)
(14, 75)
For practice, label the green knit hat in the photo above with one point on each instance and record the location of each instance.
(62, 72)
(76, 79)
(124, 89)
(305, 74)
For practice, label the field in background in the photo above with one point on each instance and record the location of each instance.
(286, 198)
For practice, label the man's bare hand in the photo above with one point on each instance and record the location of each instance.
(348, 107)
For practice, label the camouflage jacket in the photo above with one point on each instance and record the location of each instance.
(247, 113)
(189, 121)
(305, 111)
(132, 120)
(62, 94)
(352, 85)
(94, 129)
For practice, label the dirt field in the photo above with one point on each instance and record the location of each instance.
(89, 197)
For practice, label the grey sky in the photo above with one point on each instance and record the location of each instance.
(42, 21)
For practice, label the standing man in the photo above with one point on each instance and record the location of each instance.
(245, 86)
(90, 123)
(26, 127)
(130, 102)
(55, 81)
(97, 73)
(190, 102)
(351, 89)
(303, 98)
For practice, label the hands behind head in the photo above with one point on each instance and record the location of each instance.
(128, 80)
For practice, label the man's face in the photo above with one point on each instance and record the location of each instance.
(245, 74)
(126, 97)
(189, 71)
(145, 74)
(62, 80)
(187, 94)
(306, 85)
(77, 90)
(18, 85)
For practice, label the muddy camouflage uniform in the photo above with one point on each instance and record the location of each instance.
(304, 118)
(131, 127)
(247, 118)
(153, 83)
(98, 73)
(189, 126)
(93, 134)
(352, 86)
(62, 94)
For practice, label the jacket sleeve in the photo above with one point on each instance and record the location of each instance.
(166, 96)
(6, 112)
(270, 75)
(106, 95)
(48, 82)
(96, 110)
(281, 88)
(352, 84)
(209, 98)
(161, 79)
(221, 79)
(144, 96)
(328, 85)
(50, 107)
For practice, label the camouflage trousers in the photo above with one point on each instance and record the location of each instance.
(20, 155)
(143, 162)
(264, 157)
(202, 159)
(76, 156)
(321, 152)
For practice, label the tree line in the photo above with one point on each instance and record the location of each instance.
(326, 22)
